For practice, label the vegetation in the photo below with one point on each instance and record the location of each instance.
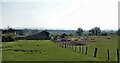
(8, 35)
(103, 44)
(39, 50)
(92, 32)
(118, 32)
(46, 50)
(79, 31)
(95, 31)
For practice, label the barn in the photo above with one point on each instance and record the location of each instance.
(44, 35)
(19, 37)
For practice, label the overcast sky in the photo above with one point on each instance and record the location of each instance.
(60, 14)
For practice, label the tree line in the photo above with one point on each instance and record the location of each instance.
(96, 31)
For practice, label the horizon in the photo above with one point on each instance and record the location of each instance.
(60, 14)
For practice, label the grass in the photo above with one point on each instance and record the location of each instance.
(103, 44)
(45, 50)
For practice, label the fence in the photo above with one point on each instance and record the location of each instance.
(84, 50)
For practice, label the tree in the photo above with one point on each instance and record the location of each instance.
(104, 34)
(79, 31)
(70, 34)
(95, 31)
(118, 32)
(64, 35)
(8, 35)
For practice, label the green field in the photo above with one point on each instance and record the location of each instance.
(46, 50)
(103, 44)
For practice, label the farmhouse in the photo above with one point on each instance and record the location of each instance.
(44, 35)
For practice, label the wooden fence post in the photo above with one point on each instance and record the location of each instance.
(108, 55)
(79, 49)
(95, 52)
(75, 47)
(86, 50)
(72, 46)
(65, 45)
(118, 55)
(62, 45)
(82, 49)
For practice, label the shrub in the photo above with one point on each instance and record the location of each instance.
(8, 37)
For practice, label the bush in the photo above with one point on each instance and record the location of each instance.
(104, 34)
(8, 38)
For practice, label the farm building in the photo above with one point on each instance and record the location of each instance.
(19, 37)
(19, 32)
(44, 35)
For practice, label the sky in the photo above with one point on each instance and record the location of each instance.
(59, 14)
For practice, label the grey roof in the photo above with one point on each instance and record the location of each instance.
(21, 36)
